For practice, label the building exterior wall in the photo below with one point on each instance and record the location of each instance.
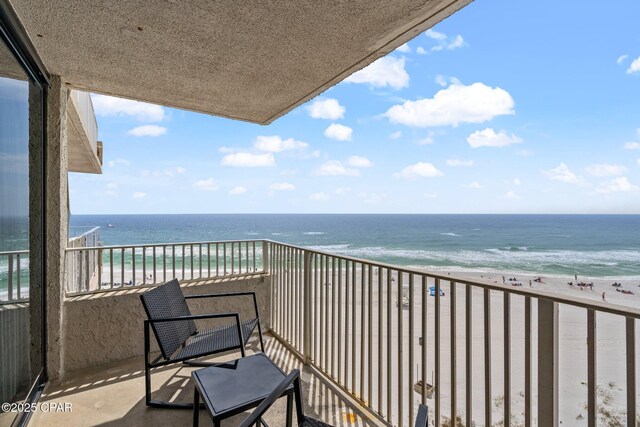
(108, 326)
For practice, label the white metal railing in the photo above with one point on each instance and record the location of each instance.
(82, 266)
(14, 276)
(141, 265)
(375, 331)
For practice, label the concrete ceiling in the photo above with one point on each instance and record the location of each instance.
(247, 60)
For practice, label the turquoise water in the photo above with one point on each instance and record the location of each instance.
(588, 245)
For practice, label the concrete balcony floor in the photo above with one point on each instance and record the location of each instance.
(113, 395)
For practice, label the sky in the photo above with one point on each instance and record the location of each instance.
(505, 107)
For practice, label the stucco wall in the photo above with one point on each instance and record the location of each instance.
(106, 327)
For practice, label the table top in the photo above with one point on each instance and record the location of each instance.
(238, 385)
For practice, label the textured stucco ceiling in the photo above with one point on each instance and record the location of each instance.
(248, 60)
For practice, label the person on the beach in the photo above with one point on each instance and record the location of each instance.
(603, 299)
(576, 276)
(503, 280)
(530, 284)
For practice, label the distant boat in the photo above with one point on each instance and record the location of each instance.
(110, 225)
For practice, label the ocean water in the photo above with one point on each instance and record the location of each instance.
(588, 245)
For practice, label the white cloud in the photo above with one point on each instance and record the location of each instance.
(327, 108)
(563, 174)
(511, 195)
(339, 132)
(248, 160)
(517, 181)
(404, 48)
(431, 195)
(421, 51)
(396, 134)
(435, 35)
(458, 162)
(418, 170)
(180, 169)
(236, 191)
(319, 197)
(118, 162)
(386, 71)
(606, 170)
(638, 161)
(282, 186)
(489, 138)
(139, 195)
(428, 140)
(111, 193)
(334, 168)
(634, 67)
(441, 80)
(618, 185)
(456, 104)
(315, 154)
(206, 185)
(148, 130)
(475, 185)
(359, 162)
(275, 144)
(621, 59)
(632, 145)
(109, 106)
(371, 198)
(343, 190)
(444, 42)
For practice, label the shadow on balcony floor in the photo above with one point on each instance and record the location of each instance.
(113, 395)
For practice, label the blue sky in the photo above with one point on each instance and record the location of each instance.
(505, 107)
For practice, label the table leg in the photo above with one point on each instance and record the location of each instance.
(289, 408)
(196, 407)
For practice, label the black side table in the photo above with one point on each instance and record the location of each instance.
(230, 388)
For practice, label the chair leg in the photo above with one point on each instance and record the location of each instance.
(260, 334)
(289, 409)
(196, 407)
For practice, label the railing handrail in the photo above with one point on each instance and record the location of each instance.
(20, 252)
(93, 229)
(534, 293)
(159, 245)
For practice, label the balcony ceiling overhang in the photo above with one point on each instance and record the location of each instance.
(252, 61)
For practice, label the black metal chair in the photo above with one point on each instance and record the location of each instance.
(255, 419)
(180, 340)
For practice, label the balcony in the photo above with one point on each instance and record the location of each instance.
(85, 151)
(371, 339)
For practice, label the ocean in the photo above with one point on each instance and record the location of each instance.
(599, 246)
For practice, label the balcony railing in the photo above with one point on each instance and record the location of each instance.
(142, 265)
(480, 353)
(14, 276)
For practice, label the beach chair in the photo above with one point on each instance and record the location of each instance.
(179, 339)
(255, 418)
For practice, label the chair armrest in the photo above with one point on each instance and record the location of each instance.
(194, 317)
(228, 294)
(270, 399)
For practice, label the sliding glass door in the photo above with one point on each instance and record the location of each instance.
(22, 360)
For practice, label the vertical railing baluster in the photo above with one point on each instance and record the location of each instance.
(326, 314)
(18, 273)
(592, 383)
(454, 354)
(239, 258)
(199, 260)
(317, 325)
(133, 264)
(389, 355)
(362, 327)
(527, 361)
(506, 323)
(308, 333)
(111, 267)
(547, 390)
(121, 268)
(468, 355)
(191, 259)
(100, 269)
(10, 278)
(253, 247)
(400, 356)
(183, 259)
(436, 350)
(630, 342)
(423, 312)
(411, 348)
(144, 265)
(208, 260)
(354, 317)
(487, 359)
(155, 272)
(164, 263)
(173, 260)
(370, 338)
(233, 256)
(346, 323)
(217, 259)
(333, 317)
(246, 249)
(339, 354)
(380, 334)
